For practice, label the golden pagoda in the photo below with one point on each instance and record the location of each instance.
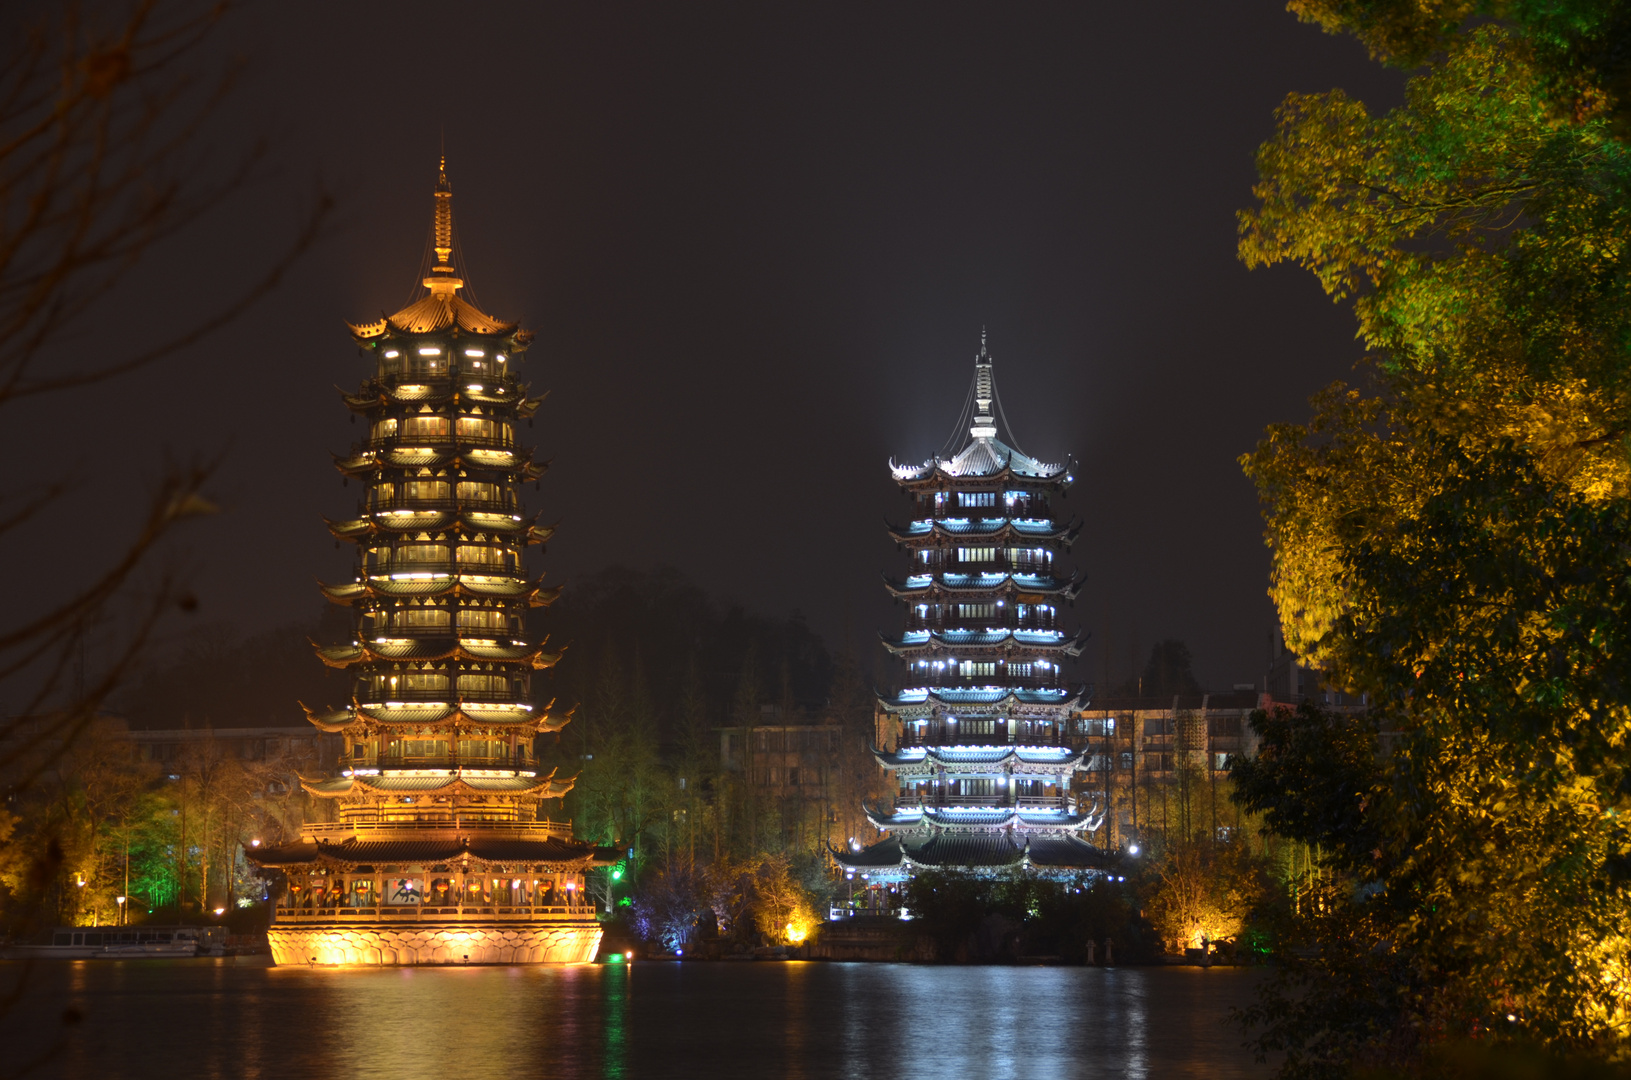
(438, 854)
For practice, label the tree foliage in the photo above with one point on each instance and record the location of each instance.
(1452, 537)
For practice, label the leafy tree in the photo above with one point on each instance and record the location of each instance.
(1578, 46)
(1451, 537)
(1199, 892)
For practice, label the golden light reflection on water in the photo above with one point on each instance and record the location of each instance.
(206, 1020)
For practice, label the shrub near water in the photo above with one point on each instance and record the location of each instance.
(975, 919)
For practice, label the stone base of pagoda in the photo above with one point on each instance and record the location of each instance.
(432, 942)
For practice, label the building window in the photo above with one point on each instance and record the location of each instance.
(1019, 671)
(475, 491)
(421, 553)
(976, 498)
(425, 489)
(422, 618)
(481, 555)
(970, 669)
(483, 619)
(1126, 762)
(976, 611)
(976, 554)
(424, 427)
(476, 427)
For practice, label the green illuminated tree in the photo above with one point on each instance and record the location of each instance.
(1453, 537)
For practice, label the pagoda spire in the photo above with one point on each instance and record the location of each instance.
(443, 282)
(985, 392)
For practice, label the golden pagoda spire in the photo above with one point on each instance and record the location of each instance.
(443, 282)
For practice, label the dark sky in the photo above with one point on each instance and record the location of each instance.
(757, 243)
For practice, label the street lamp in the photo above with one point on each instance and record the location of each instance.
(120, 900)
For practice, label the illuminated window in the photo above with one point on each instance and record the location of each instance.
(969, 669)
(481, 555)
(478, 492)
(425, 489)
(425, 682)
(976, 611)
(424, 427)
(976, 554)
(477, 427)
(384, 429)
(421, 553)
(976, 498)
(482, 619)
(422, 618)
(418, 748)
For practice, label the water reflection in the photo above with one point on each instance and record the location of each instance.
(803, 1020)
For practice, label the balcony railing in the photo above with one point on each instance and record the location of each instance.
(369, 694)
(942, 734)
(376, 830)
(508, 762)
(980, 624)
(935, 800)
(414, 912)
(465, 568)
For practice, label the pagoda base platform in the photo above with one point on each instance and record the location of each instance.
(431, 942)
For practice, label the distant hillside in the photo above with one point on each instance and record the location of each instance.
(259, 681)
(620, 624)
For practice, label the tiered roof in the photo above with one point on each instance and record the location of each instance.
(975, 642)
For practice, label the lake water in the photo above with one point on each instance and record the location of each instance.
(222, 1020)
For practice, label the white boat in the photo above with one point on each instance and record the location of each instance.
(123, 942)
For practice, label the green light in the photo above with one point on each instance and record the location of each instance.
(617, 873)
(615, 958)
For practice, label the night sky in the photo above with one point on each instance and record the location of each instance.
(757, 244)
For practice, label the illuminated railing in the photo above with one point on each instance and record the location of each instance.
(378, 830)
(405, 912)
(432, 506)
(943, 734)
(438, 442)
(468, 569)
(939, 801)
(510, 762)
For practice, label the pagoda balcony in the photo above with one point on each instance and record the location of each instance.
(491, 697)
(978, 733)
(505, 763)
(381, 830)
(939, 680)
(937, 800)
(436, 442)
(445, 568)
(443, 506)
(1030, 624)
(375, 695)
(407, 913)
